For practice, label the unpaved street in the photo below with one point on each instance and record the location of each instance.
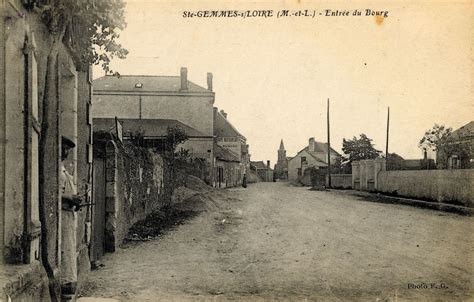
(273, 241)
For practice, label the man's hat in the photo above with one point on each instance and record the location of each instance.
(65, 141)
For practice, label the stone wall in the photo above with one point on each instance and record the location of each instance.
(364, 173)
(306, 178)
(12, 186)
(134, 188)
(449, 186)
(341, 181)
(3, 118)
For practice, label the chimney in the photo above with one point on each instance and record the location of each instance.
(268, 164)
(209, 81)
(224, 114)
(184, 78)
(311, 144)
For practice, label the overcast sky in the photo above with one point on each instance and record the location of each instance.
(273, 76)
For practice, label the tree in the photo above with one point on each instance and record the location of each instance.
(394, 161)
(338, 166)
(358, 149)
(89, 29)
(448, 145)
(433, 137)
(174, 136)
(460, 150)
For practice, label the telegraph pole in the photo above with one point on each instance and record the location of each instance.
(386, 142)
(329, 150)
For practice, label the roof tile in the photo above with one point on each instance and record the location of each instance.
(126, 83)
(150, 127)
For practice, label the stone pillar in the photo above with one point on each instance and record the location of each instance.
(355, 175)
(370, 174)
(3, 132)
(380, 164)
(363, 175)
(111, 197)
(12, 143)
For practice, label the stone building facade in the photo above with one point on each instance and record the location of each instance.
(159, 97)
(227, 168)
(263, 172)
(457, 151)
(227, 137)
(30, 147)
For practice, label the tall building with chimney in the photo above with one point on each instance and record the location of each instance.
(281, 167)
(144, 101)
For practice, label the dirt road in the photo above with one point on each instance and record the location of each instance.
(273, 241)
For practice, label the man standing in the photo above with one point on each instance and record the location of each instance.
(70, 204)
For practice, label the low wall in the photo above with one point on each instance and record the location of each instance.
(305, 179)
(252, 177)
(449, 186)
(341, 181)
(198, 168)
(24, 282)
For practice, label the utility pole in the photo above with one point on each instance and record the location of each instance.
(140, 107)
(329, 150)
(386, 142)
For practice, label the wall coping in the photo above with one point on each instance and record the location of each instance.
(438, 171)
(154, 93)
(378, 160)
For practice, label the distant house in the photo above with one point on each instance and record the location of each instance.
(138, 97)
(313, 155)
(228, 138)
(396, 162)
(263, 172)
(227, 167)
(456, 152)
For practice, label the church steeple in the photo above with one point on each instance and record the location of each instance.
(281, 153)
(282, 147)
(281, 167)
